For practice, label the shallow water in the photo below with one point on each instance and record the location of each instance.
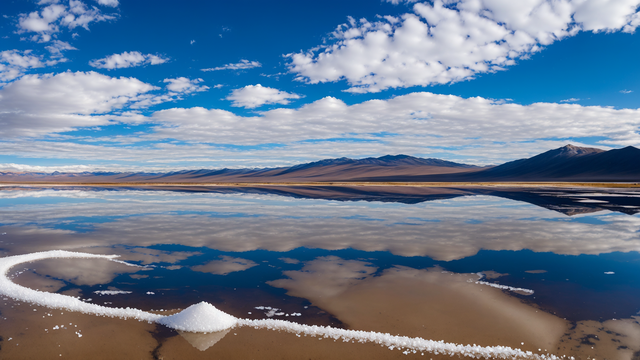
(403, 261)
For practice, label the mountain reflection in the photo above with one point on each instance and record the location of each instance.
(250, 219)
(570, 202)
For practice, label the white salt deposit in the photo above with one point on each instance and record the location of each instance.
(111, 292)
(201, 317)
(502, 287)
(204, 317)
(505, 287)
(59, 301)
(400, 342)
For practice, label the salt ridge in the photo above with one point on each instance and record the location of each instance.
(505, 287)
(501, 287)
(204, 317)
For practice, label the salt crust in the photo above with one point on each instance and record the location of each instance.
(204, 317)
(111, 292)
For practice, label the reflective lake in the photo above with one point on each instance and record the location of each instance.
(546, 270)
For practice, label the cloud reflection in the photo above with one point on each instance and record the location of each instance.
(225, 265)
(443, 229)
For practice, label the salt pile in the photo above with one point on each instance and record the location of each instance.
(201, 317)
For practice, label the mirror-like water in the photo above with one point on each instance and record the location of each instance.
(552, 271)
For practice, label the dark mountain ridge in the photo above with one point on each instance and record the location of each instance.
(568, 163)
(572, 163)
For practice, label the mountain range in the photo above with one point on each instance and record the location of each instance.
(568, 163)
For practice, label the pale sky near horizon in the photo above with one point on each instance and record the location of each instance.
(135, 85)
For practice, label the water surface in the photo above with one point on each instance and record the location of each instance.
(399, 260)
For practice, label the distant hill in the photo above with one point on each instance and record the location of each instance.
(568, 163)
(342, 169)
(571, 163)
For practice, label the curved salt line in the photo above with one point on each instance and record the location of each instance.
(400, 342)
(59, 301)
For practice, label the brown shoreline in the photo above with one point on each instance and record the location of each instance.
(335, 183)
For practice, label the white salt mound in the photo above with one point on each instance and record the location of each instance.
(201, 317)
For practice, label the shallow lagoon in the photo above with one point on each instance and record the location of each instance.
(393, 260)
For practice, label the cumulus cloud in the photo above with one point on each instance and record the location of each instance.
(449, 41)
(51, 18)
(472, 130)
(626, 91)
(396, 2)
(126, 60)
(242, 65)
(182, 85)
(252, 96)
(176, 89)
(57, 47)
(43, 104)
(112, 3)
(416, 119)
(13, 64)
(40, 104)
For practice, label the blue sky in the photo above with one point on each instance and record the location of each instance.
(150, 85)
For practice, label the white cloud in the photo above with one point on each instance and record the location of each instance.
(48, 21)
(450, 41)
(12, 167)
(112, 3)
(473, 130)
(41, 104)
(242, 65)
(396, 2)
(416, 118)
(569, 100)
(57, 47)
(126, 60)
(192, 42)
(43, 21)
(626, 91)
(252, 96)
(13, 63)
(182, 85)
